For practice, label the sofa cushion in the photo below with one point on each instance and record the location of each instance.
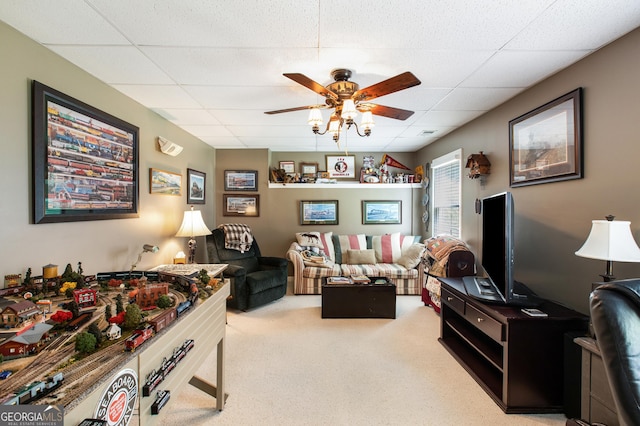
(389, 247)
(357, 257)
(363, 269)
(342, 243)
(412, 255)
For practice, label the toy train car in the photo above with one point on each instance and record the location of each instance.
(183, 307)
(138, 337)
(35, 390)
(79, 321)
(163, 320)
(162, 397)
(154, 378)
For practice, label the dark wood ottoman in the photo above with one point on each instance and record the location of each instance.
(358, 300)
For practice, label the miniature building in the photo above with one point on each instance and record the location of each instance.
(85, 297)
(26, 343)
(148, 294)
(12, 280)
(479, 165)
(114, 332)
(17, 313)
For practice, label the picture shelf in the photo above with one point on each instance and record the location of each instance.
(342, 185)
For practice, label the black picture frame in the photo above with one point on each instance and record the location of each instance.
(247, 205)
(84, 160)
(378, 212)
(319, 212)
(545, 145)
(196, 187)
(240, 180)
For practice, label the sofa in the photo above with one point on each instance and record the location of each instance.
(316, 256)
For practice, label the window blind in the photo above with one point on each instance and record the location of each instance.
(446, 194)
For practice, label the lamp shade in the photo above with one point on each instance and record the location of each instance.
(610, 240)
(192, 225)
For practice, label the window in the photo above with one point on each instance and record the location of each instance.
(445, 196)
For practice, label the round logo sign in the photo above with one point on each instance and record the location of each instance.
(119, 399)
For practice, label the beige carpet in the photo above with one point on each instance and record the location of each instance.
(285, 365)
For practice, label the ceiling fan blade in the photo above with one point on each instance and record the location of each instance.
(313, 85)
(385, 111)
(394, 84)
(279, 111)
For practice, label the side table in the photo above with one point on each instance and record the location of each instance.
(358, 300)
(596, 401)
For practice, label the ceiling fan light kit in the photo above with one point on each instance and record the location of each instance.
(346, 98)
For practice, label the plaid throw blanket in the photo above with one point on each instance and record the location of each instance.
(237, 236)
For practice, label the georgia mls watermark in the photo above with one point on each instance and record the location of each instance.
(31, 415)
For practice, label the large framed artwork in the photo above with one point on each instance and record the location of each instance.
(546, 143)
(240, 180)
(324, 212)
(341, 166)
(241, 205)
(381, 212)
(85, 161)
(196, 187)
(164, 183)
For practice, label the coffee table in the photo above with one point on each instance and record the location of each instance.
(359, 300)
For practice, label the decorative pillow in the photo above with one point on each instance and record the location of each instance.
(309, 239)
(342, 243)
(360, 257)
(411, 256)
(389, 247)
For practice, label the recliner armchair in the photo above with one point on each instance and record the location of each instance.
(615, 314)
(255, 279)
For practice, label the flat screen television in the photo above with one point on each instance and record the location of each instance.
(498, 234)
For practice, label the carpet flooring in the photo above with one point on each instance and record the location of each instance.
(285, 365)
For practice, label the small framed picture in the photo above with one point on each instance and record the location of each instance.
(240, 180)
(308, 169)
(195, 191)
(288, 166)
(381, 212)
(324, 212)
(341, 166)
(241, 205)
(164, 182)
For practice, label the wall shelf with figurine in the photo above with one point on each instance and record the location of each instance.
(342, 185)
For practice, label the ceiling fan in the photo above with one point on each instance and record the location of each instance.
(347, 99)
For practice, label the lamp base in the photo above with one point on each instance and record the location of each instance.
(608, 278)
(192, 250)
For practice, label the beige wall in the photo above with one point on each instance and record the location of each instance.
(108, 245)
(554, 219)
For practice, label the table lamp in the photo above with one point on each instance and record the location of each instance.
(192, 226)
(610, 240)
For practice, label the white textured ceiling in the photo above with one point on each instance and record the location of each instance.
(213, 67)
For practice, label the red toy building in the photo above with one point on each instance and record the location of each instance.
(85, 297)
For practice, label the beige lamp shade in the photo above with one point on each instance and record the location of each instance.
(610, 240)
(192, 225)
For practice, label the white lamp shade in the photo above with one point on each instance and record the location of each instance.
(315, 117)
(193, 225)
(610, 240)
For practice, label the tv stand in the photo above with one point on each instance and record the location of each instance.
(515, 358)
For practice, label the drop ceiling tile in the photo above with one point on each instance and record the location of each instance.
(183, 117)
(114, 64)
(60, 22)
(238, 23)
(264, 98)
(202, 131)
(270, 131)
(476, 99)
(158, 96)
(445, 118)
(520, 68)
(570, 24)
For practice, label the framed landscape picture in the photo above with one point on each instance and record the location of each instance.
(381, 212)
(164, 183)
(323, 212)
(196, 183)
(241, 205)
(240, 180)
(85, 161)
(546, 143)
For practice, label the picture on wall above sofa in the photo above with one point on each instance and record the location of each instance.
(322, 212)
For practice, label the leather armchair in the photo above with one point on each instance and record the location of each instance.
(255, 279)
(615, 314)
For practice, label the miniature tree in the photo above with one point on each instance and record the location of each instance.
(93, 329)
(73, 307)
(85, 342)
(163, 301)
(132, 316)
(203, 276)
(27, 277)
(119, 305)
(107, 312)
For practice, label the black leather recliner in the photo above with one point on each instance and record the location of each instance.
(615, 314)
(255, 279)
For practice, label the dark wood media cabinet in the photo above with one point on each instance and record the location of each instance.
(515, 358)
